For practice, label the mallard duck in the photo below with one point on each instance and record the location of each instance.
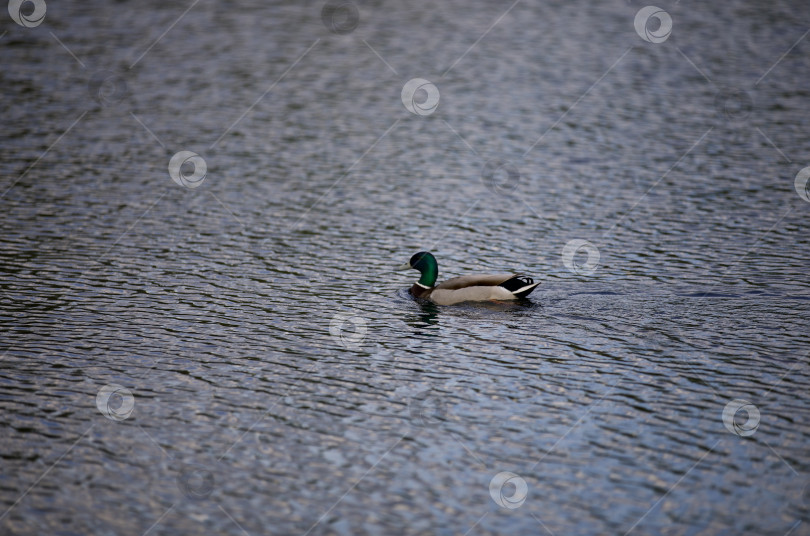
(479, 287)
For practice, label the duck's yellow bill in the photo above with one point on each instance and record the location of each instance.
(401, 267)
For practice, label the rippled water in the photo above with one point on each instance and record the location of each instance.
(240, 358)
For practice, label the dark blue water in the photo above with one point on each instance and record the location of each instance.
(221, 346)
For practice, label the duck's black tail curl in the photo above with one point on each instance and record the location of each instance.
(520, 285)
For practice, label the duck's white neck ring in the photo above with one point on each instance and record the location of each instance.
(418, 284)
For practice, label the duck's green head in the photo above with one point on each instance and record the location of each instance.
(425, 262)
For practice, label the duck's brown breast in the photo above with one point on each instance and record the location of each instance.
(418, 291)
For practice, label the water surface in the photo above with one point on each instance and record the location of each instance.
(282, 380)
